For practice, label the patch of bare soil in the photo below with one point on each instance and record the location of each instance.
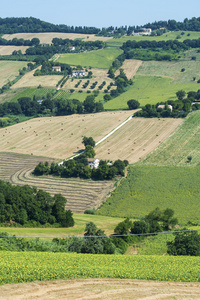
(101, 289)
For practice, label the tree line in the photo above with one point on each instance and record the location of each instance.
(58, 107)
(17, 25)
(157, 50)
(28, 206)
(172, 109)
(79, 166)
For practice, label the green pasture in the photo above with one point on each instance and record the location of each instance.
(150, 90)
(172, 69)
(184, 142)
(118, 42)
(16, 267)
(102, 58)
(105, 223)
(76, 95)
(148, 187)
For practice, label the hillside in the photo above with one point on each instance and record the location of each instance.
(165, 178)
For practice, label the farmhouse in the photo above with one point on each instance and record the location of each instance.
(162, 106)
(144, 31)
(93, 163)
(76, 73)
(56, 69)
(71, 48)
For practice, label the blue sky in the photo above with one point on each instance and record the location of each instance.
(101, 13)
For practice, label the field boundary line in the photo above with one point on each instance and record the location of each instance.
(103, 139)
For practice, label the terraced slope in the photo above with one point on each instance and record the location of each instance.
(80, 194)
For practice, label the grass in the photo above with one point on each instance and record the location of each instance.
(183, 143)
(18, 267)
(165, 37)
(148, 187)
(172, 70)
(105, 223)
(9, 70)
(97, 59)
(150, 90)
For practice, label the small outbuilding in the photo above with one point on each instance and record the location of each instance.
(93, 163)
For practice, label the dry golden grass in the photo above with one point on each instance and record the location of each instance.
(99, 289)
(46, 37)
(130, 67)
(98, 75)
(58, 137)
(136, 139)
(9, 70)
(28, 80)
(8, 50)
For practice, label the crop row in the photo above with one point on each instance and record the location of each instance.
(18, 267)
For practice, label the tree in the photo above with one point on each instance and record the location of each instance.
(133, 104)
(185, 243)
(123, 227)
(140, 227)
(180, 94)
(88, 141)
(89, 152)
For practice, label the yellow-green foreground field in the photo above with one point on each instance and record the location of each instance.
(16, 267)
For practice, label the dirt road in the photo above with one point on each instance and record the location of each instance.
(108, 289)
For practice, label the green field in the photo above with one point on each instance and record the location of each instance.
(76, 95)
(105, 223)
(97, 59)
(150, 90)
(148, 187)
(117, 42)
(18, 267)
(183, 143)
(172, 70)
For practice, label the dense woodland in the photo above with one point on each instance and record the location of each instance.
(28, 206)
(58, 107)
(15, 25)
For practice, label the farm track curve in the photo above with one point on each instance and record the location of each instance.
(80, 194)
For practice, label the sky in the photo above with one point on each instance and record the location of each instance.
(101, 13)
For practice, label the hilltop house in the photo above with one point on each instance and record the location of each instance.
(76, 73)
(71, 48)
(93, 163)
(56, 69)
(162, 106)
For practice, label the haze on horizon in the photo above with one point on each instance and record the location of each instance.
(102, 13)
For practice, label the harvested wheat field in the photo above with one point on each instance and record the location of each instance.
(100, 289)
(58, 137)
(28, 80)
(136, 139)
(9, 70)
(130, 67)
(80, 194)
(46, 37)
(8, 50)
(98, 75)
